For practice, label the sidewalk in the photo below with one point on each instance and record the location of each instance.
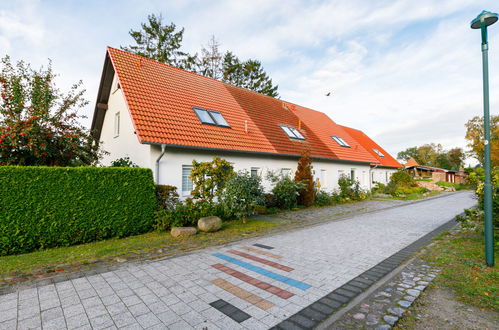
(252, 284)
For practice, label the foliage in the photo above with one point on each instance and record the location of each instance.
(349, 188)
(323, 198)
(38, 123)
(285, 190)
(477, 179)
(434, 155)
(184, 214)
(160, 42)
(241, 194)
(270, 200)
(166, 196)
(475, 137)
(445, 184)
(163, 43)
(304, 174)
(401, 184)
(208, 178)
(402, 178)
(42, 207)
(123, 162)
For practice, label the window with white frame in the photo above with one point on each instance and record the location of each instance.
(210, 117)
(352, 174)
(292, 132)
(254, 171)
(116, 124)
(379, 153)
(186, 180)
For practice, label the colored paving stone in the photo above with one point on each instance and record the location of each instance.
(262, 261)
(263, 246)
(243, 294)
(263, 253)
(277, 277)
(253, 281)
(230, 310)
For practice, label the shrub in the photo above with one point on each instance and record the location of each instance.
(42, 207)
(445, 184)
(208, 178)
(184, 214)
(285, 190)
(401, 178)
(270, 200)
(322, 198)
(123, 162)
(349, 188)
(166, 196)
(303, 174)
(241, 194)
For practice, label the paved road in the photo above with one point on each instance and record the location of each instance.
(239, 286)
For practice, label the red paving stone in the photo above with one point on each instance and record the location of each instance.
(253, 281)
(261, 260)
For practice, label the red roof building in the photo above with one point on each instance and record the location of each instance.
(147, 111)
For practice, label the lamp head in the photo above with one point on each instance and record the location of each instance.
(486, 16)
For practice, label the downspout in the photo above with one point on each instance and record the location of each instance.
(163, 150)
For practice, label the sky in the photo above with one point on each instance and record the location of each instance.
(405, 72)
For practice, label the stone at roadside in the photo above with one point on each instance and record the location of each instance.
(183, 231)
(409, 298)
(359, 316)
(120, 260)
(413, 292)
(209, 224)
(420, 287)
(390, 319)
(383, 327)
(372, 319)
(382, 293)
(423, 283)
(396, 311)
(404, 303)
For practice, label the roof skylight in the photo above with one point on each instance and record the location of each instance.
(211, 117)
(292, 132)
(379, 153)
(340, 141)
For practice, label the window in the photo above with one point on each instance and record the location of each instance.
(211, 117)
(379, 153)
(186, 180)
(340, 141)
(352, 174)
(254, 172)
(285, 171)
(292, 132)
(116, 124)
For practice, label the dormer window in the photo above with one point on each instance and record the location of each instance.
(340, 141)
(379, 153)
(211, 117)
(292, 132)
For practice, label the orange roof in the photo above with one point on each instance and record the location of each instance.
(161, 98)
(411, 162)
(371, 146)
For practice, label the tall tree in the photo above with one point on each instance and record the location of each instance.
(163, 43)
(475, 137)
(211, 60)
(159, 42)
(39, 124)
(408, 154)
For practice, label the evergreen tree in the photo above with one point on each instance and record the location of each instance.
(304, 174)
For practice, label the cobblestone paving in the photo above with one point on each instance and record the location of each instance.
(383, 308)
(218, 289)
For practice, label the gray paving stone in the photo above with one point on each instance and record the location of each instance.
(73, 310)
(53, 313)
(148, 320)
(8, 325)
(101, 322)
(30, 323)
(139, 309)
(58, 323)
(95, 311)
(117, 308)
(77, 321)
(124, 319)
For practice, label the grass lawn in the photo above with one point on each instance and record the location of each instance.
(58, 259)
(464, 271)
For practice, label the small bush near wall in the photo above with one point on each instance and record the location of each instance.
(42, 207)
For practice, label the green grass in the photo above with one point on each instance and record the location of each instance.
(464, 271)
(69, 257)
(414, 196)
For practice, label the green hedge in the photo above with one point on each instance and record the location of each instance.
(42, 207)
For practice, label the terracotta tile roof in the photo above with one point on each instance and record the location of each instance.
(370, 146)
(160, 100)
(411, 162)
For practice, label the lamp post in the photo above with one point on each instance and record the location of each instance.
(481, 22)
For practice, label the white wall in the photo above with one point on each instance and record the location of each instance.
(126, 143)
(174, 158)
(382, 175)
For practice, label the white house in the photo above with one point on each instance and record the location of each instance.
(162, 118)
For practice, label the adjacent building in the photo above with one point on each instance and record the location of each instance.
(162, 118)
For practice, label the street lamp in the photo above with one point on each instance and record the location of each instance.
(481, 22)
